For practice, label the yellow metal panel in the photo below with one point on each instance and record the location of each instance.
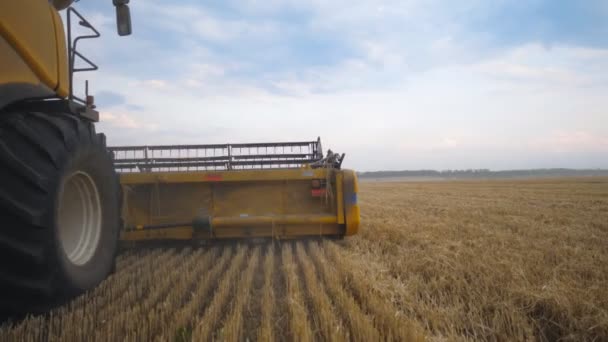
(187, 233)
(264, 198)
(179, 233)
(27, 25)
(63, 74)
(281, 232)
(256, 203)
(351, 189)
(221, 176)
(340, 197)
(165, 203)
(13, 68)
(269, 220)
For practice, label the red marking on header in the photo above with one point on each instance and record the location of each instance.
(214, 177)
(318, 192)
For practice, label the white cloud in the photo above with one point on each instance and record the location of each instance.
(193, 83)
(573, 141)
(158, 84)
(119, 120)
(207, 70)
(555, 66)
(203, 23)
(450, 142)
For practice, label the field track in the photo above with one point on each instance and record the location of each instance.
(475, 260)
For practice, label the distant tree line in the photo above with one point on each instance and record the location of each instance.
(486, 173)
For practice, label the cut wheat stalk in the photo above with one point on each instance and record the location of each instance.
(180, 326)
(233, 325)
(207, 323)
(387, 320)
(299, 322)
(122, 323)
(265, 331)
(87, 318)
(326, 320)
(360, 324)
(182, 284)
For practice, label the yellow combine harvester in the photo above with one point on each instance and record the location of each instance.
(278, 190)
(60, 197)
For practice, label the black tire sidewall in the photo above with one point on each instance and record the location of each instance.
(94, 161)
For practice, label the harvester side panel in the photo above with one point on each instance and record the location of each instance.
(278, 195)
(272, 203)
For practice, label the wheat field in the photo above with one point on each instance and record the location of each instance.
(438, 261)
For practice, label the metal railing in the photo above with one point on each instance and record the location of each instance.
(218, 157)
(73, 53)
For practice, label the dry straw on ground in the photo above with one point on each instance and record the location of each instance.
(477, 260)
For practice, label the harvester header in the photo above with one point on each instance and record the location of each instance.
(277, 190)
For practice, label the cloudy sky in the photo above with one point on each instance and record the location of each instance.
(410, 84)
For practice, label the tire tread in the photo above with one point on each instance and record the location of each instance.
(50, 138)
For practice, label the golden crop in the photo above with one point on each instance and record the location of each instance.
(470, 260)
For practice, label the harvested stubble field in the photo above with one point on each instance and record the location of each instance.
(471, 260)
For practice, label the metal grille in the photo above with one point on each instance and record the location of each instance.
(220, 157)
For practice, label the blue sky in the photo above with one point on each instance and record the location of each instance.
(395, 84)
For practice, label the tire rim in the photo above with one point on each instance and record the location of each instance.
(79, 217)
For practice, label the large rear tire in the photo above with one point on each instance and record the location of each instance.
(59, 210)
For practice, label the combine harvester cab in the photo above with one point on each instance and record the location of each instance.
(276, 190)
